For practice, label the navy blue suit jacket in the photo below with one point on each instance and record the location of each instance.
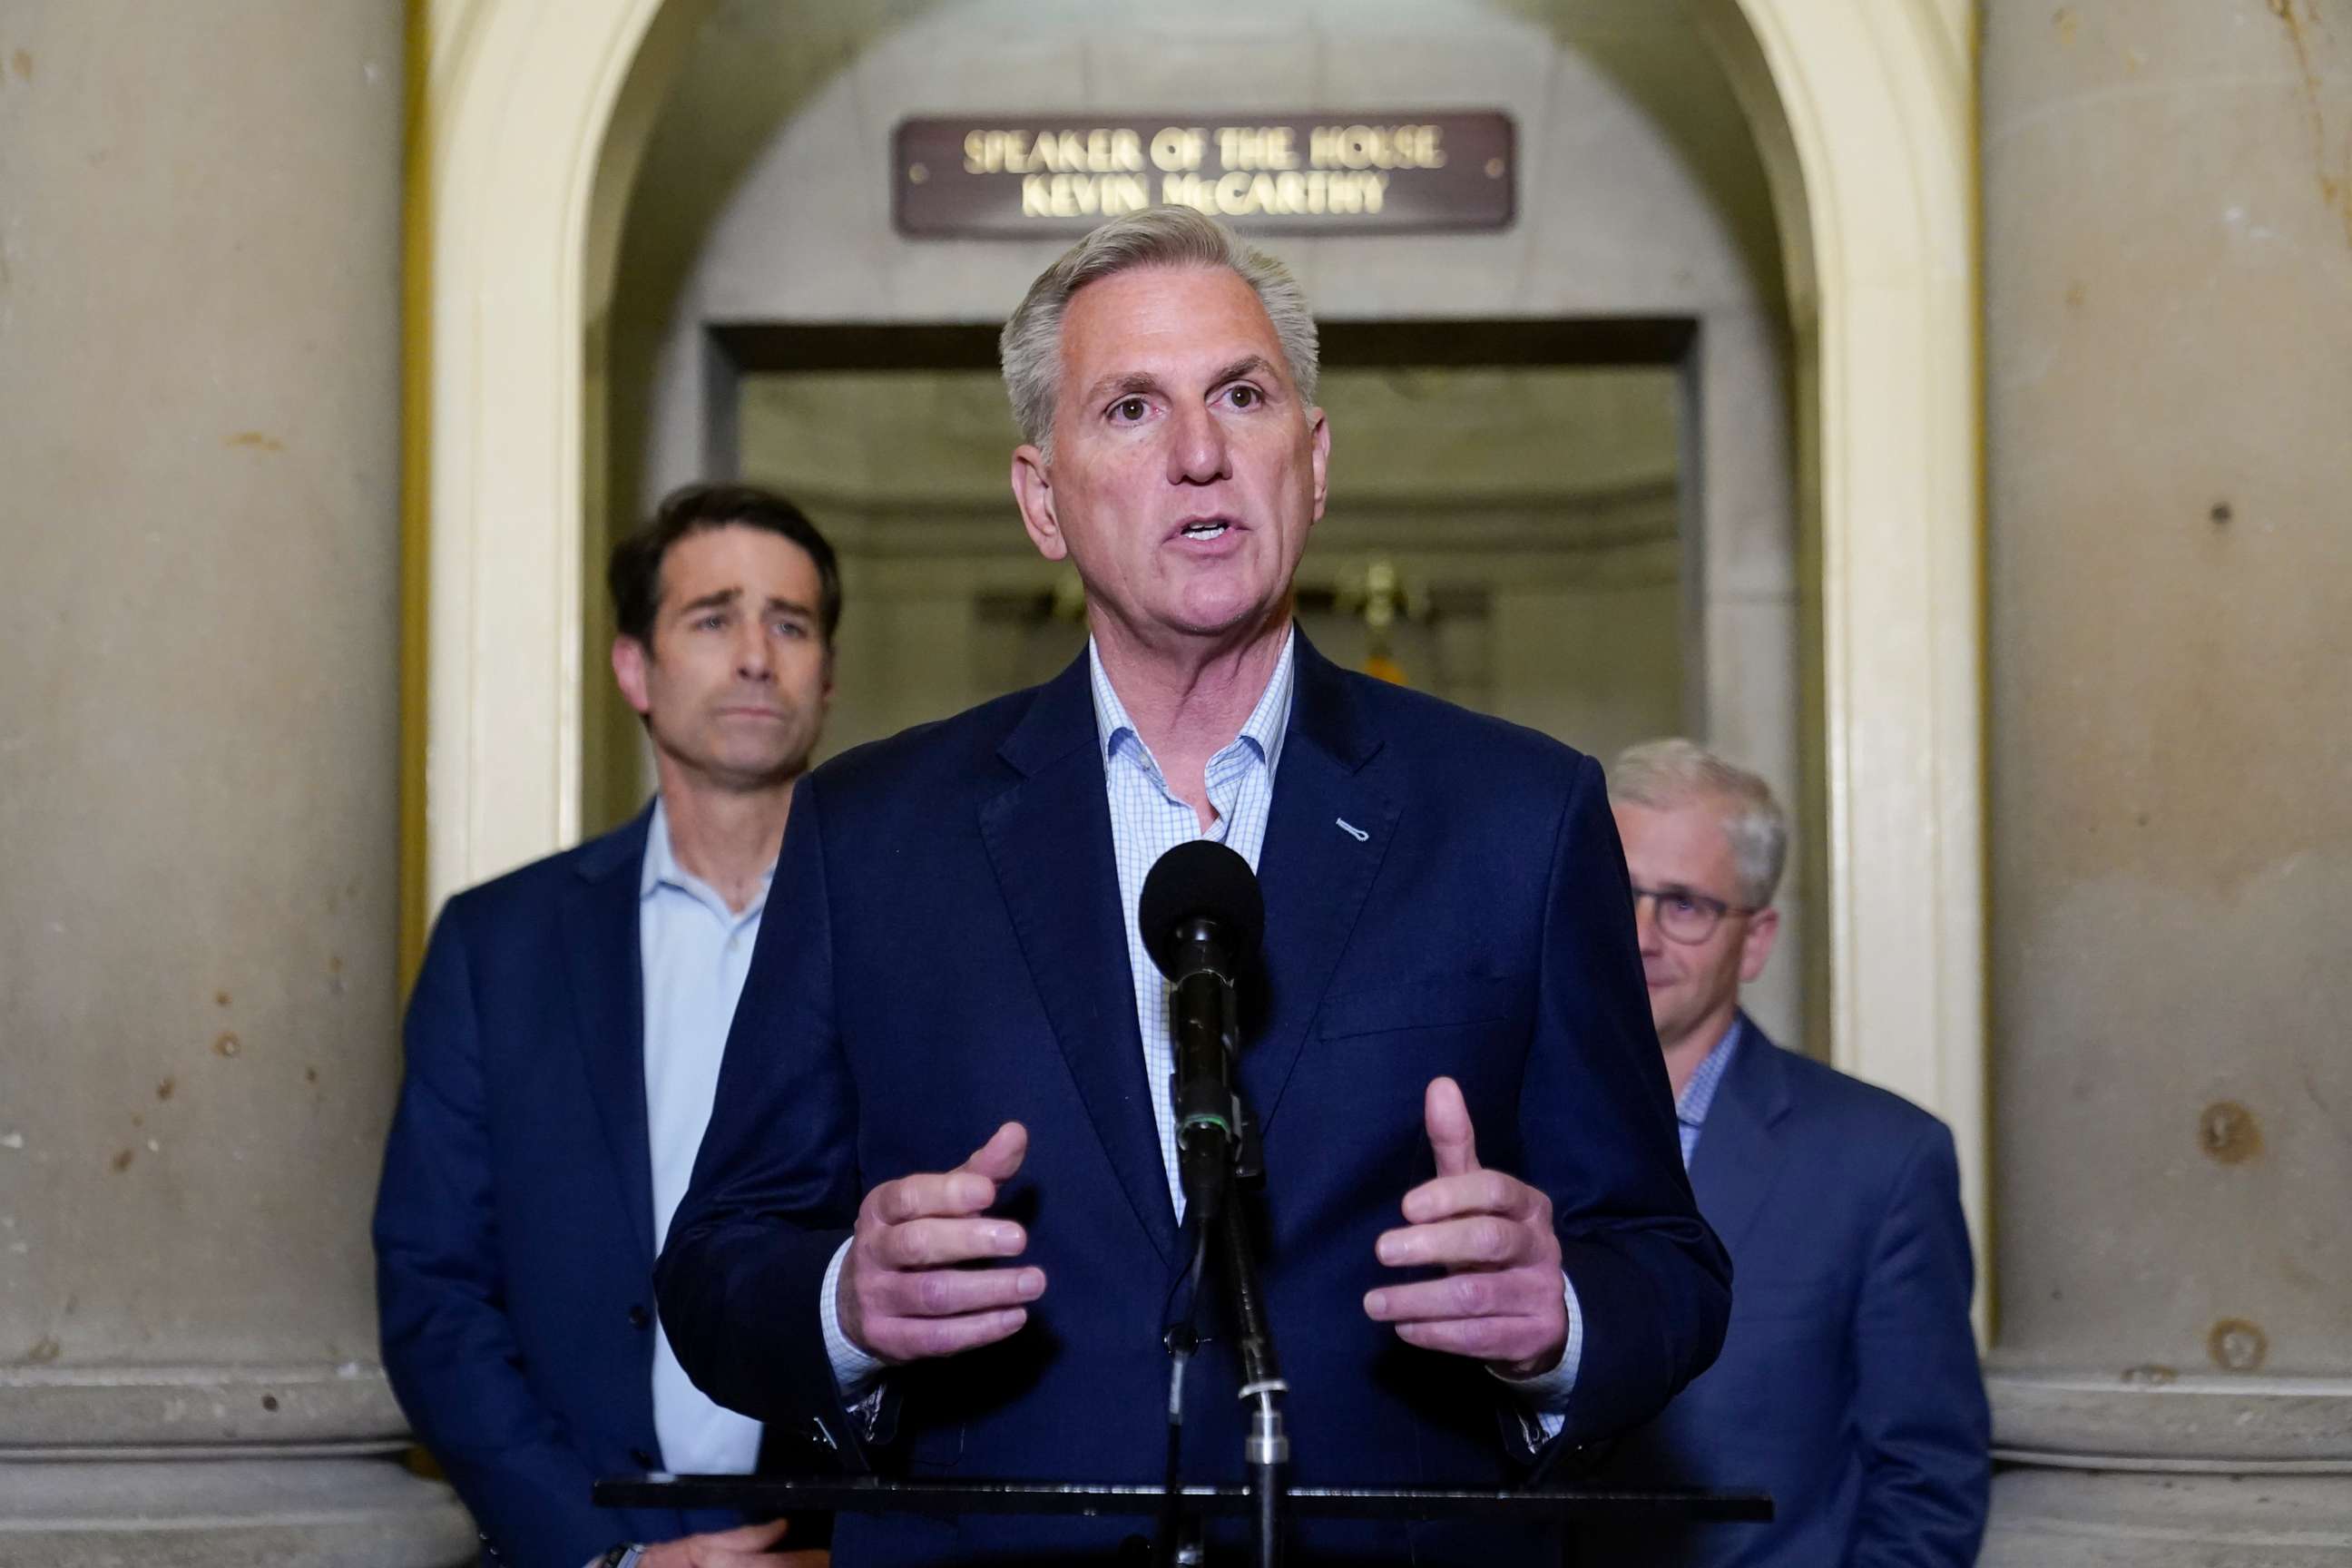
(945, 951)
(1848, 1384)
(514, 1225)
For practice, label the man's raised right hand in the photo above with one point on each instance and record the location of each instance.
(902, 1295)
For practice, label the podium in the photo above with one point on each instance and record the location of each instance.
(871, 1494)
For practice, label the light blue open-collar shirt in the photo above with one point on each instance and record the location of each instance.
(693, 953)
(1148, 818)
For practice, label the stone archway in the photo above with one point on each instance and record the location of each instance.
(530, 120)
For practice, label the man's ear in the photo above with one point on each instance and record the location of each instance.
(1032, 491)
(1756, 947)
(629, 673)
(1319, 435)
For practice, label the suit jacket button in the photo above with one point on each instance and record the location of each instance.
(638, 1317)
(644, 1460)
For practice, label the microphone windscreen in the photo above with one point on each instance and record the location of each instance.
(1201, 880)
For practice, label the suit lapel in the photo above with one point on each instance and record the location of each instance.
(1048, 837)
(1740, 1151)
(1314, 870)
(600, 947)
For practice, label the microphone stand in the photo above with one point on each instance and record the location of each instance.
(1215, 1156)
(1216, 1149)
(1268, 1448)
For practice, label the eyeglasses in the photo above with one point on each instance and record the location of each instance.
(1684, 916)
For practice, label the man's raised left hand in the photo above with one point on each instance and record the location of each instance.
(1501, 1299)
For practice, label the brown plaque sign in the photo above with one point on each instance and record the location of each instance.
(1347, 171)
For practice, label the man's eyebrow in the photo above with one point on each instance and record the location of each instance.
(1143, 381)
(793, 607)
(1248, 364)
(1133, 381)
(718, 599)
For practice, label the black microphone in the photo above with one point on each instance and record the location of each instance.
(1202, 918)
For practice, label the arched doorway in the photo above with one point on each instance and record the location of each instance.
(1564, 442)
(528, 121)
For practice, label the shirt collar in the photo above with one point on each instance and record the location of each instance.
(661, 862)
(1698, 1094)
(1264, 729)
(661, 869)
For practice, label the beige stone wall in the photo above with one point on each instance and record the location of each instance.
(199, 375)
(199, 320)
(2167, 191)
(2168, 314)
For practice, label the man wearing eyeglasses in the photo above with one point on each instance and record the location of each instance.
(1848, 1384)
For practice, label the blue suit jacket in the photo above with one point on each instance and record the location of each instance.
(514, 1225)
(1848, 1384)
(945, 951)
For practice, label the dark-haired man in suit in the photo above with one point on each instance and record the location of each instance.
(937, 1210)
(1848, 1384)
(562, 1047)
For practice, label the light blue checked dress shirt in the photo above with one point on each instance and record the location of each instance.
(1691, 1104)
(1147, 820)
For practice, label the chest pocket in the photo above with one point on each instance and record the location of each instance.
(1439, 1002)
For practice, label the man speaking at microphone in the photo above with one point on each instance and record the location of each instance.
(938, 1216)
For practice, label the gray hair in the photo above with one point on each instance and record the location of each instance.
(1664, 775)
(1031, 347)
